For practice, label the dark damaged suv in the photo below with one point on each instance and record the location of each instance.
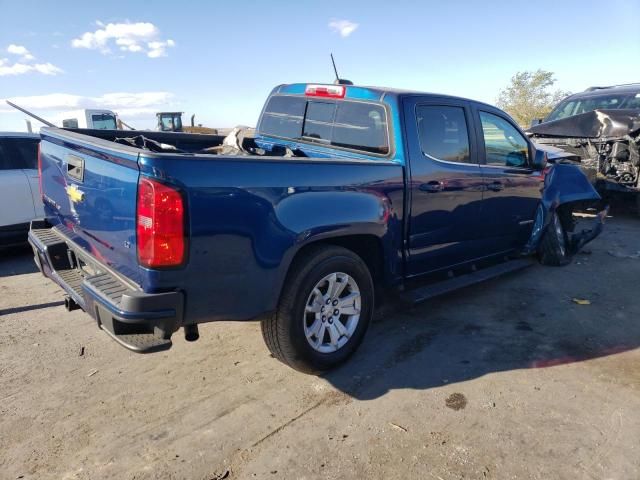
(601, 128)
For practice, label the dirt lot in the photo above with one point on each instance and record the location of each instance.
(510, 379)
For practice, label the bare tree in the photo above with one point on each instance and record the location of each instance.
(530, 96)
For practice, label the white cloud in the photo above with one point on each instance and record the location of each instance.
(17, 49)
(46, 68)
(26, 63)
(343, 27)
(159, 49)
(19, 68)
(140, 37)
(123, 103)
(22, 51)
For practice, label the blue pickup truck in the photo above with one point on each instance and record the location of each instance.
(344, 194)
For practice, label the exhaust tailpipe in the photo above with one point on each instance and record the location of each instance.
(191, 333)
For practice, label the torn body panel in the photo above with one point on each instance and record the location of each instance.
(607, 142)
(565, 189)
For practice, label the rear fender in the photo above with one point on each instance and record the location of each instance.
(565, 188)
(323, 216)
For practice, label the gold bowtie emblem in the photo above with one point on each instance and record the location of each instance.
(75, 194)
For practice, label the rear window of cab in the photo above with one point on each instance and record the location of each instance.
(345, 124)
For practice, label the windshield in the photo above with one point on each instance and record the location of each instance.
(104, 121)
(576, 106)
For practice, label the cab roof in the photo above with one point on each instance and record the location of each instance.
(361, 92)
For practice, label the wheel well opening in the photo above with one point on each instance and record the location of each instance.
(566, 213)
(367, 247)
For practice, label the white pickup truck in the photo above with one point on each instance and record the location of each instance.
(91, 118)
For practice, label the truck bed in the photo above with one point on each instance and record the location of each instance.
(246, 215)
(187, 142)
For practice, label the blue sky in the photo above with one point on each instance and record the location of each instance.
(220, 61)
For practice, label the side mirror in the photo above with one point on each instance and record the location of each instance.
(535, 121)
(540, 160)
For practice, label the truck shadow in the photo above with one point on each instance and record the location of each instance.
(16, 261)
(499, 326)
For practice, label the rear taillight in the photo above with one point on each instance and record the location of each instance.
(160, 225)
(40, 173)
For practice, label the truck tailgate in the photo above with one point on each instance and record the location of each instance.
(89, 191)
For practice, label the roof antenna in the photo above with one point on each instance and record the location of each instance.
(338, 80)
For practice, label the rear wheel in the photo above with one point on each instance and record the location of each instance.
(324, 311)
(554, 246)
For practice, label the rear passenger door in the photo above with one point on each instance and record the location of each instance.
(16, 195)
(512, 186)
(445, 184)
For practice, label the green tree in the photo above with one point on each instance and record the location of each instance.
(530, 96)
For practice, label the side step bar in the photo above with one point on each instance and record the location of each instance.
(422, 294)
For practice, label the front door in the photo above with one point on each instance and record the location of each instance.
(445, 184)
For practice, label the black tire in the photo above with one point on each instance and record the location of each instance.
(554, 246)
(638, 204)
(283, 332)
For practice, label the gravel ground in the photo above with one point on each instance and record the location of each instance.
(509, 379)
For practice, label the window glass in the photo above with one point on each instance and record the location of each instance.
(584, 105)
(443, 132)
(632, 102)
(563, 110)
(4, 158)
(283, 117)
(354, 125)
(177, 121)
(318, 122)
(504, 145)
(16, 153)
(168, 123)
(27, 152)
(70, 123)
(104, 121)
(590, 104)
(361, 126)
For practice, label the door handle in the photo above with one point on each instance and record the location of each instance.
(432, 187)
(75, 167)
(495, 186)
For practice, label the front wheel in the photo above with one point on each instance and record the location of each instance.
(554, 246)
(324, 310)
